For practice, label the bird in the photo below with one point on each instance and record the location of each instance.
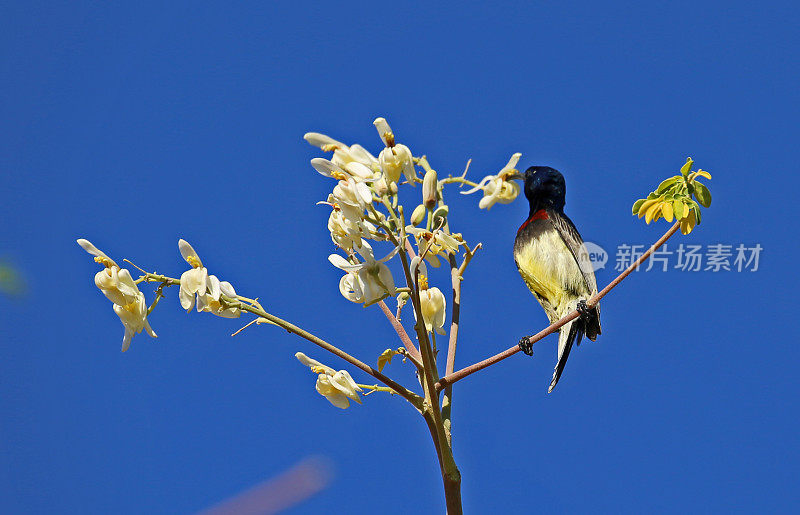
(552, 259)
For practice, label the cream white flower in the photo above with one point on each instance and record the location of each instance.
(356, 170)
(328, 169)
(343, 154)
(322, 141)
(346, 232)
(431, 300)
(498, 188)
(119, 287)
(434, 309)
(384, 131)
(417, 263)
(211, 303)
(193, 281)
(197, 285)
(353, 198)
(346, 157)
(337, 387)
(117, 284)
(367, 282)
(440, 242)
(395, 159)
(134, 318)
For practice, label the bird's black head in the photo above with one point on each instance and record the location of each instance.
(544, 188)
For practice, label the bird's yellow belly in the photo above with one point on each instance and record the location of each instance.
(550, 271)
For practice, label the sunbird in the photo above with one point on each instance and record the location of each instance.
(553, 262)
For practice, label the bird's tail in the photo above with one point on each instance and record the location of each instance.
(566, 337)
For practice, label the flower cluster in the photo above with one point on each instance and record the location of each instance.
(499, 187)
(364, 204)
(206, 289)
(197, 287)
(362, 179)
(337, 387)
(117, 284)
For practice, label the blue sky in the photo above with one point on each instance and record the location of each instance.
(133, 127)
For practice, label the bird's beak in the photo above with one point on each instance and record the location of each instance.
(516, 177)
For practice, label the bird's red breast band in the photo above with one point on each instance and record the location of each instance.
(539, 215)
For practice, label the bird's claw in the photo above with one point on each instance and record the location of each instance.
(584, 309)
(525, 345)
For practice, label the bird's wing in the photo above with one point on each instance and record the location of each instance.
(572, 239)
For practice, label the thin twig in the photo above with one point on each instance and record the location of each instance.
(136, 267)
(254, 321)
(159, 296)
(466, 169)
(449, 379)
(413, 353)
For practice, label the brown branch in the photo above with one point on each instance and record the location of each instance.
(447, 400)
(410, 248)
(456, 274)
(452, 479)
(455, 278)
(449, 379)
(401, 390)
(407, 394)
(413, 353)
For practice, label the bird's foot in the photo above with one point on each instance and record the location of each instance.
(584, 310)
(525, 345)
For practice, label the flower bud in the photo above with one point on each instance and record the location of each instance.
(429, 184)
(440, 216)
(322, 141)
(384, 131)
(381, 188)
(418, 215)
(402, 299)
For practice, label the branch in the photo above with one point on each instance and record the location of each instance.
(449, 379)
(456, 276)
(410, 248)
(410, 396)
(413, 353)
(451, 476)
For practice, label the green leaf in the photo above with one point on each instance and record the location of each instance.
(637, 205)
(697, 211)
(685, 169)
(677, 207)
(665, 184)
(702, 194)
(690, 188)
